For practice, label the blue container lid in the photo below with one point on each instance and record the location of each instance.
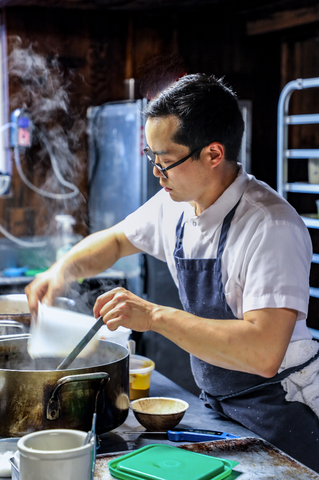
(164, 462)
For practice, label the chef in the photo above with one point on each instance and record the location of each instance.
(240, 256)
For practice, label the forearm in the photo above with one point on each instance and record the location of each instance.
(256, 344)
(250, 345)
(94, 254)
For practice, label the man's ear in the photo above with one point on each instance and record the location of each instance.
(214, 153)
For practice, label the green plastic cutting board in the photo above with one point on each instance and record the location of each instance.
(163, 462)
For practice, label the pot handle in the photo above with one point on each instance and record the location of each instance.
(53, 406)
(15, 336)
(13, 324)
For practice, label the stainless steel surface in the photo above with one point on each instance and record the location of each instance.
(131, 435)
(115, 153)
(29, 389)
(258, 460)
(14, 469)
(81, 345)
(7, 327)
(15, 336)
(90, 434)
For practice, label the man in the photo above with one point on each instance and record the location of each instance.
(240, 256)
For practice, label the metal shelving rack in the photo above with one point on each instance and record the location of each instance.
(284, 154)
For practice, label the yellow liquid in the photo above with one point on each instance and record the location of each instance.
(135, 394)
(139, 385)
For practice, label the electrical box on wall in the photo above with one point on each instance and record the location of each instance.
(21, 129)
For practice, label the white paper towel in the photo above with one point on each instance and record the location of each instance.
(57, 331)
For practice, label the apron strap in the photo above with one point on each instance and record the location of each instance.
(225, 228)
(179, 251)
(223, 236)
(179, 231)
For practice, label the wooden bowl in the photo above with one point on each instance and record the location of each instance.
(159, 413)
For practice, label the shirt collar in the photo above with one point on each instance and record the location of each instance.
(215, 214)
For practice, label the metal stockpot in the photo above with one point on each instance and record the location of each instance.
(35, 396)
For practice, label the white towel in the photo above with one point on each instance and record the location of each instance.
(302, 386)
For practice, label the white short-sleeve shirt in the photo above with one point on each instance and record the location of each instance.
(268, 252)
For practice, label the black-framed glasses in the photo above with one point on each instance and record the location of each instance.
(152, 157)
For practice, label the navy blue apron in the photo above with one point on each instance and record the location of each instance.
(257, 403)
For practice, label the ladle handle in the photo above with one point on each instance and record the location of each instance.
(85, 340)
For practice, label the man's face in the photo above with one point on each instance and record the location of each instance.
(187, 181)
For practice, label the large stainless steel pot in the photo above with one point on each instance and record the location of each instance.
(35, 396)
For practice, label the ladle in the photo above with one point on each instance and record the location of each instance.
(131, 345)
(92, 433)
(85, 340)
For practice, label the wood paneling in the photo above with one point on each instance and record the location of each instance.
(124, 5)
(283, 19)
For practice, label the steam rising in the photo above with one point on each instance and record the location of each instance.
(43, 89)
(50, 96)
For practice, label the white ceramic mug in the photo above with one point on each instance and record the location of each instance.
(55, 455)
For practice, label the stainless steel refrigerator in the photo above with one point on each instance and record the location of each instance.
(120, 180)
(117, 173)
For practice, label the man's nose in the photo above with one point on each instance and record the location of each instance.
(156, 172)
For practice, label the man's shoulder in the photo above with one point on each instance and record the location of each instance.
(265, 202)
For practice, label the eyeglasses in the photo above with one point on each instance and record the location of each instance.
(152, 157)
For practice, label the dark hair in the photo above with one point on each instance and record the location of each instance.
(208, 112)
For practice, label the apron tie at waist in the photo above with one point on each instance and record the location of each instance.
(299, 352)
(303, 385)
(279, 377)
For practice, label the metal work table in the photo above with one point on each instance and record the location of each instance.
(132, 435)
(258, 459)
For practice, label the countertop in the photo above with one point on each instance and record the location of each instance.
(258, 459)
(132, 435)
